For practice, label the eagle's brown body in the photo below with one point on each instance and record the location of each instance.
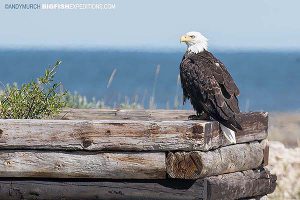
(210, 88)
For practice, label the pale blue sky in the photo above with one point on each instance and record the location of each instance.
(230, 24)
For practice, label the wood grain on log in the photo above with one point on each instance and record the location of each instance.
(229, 186)
(197, 164)
(106, 114)
(82, 165)
(265, 197)
(125, 135)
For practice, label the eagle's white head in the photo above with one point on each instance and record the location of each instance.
(195, 41)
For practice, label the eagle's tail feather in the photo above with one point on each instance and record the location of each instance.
(229, 134)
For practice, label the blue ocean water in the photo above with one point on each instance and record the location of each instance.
(268, 81)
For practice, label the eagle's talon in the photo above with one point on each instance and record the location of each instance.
(202, 116)
(193, 117)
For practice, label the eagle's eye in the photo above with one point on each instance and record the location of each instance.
(192, 36)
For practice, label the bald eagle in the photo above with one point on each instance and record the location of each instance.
(208, 85)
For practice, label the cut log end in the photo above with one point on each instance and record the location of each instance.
(196, 164)
(186, 165)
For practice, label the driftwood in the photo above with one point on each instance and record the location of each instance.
(82, 165)
(125, 135)
(197, 164)
(229, 186)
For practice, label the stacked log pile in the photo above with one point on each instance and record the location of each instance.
(133, 154)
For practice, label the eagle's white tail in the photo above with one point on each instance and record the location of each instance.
(229, 134)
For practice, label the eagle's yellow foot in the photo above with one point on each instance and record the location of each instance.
(202, 116)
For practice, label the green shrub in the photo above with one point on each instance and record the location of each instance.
(33, 100)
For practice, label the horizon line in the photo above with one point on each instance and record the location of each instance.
(146, 49)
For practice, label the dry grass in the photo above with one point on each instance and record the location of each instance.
(285, 163)
(285, 127)
(284, 133)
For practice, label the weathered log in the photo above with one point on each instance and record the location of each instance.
(241, 185)
(266, 154)
(82, 165)
(125, 135)
(253, 123)
(197, 164)
(265, 197)
(136, 114)
(108, 114)
(118, 135)
(229, 186)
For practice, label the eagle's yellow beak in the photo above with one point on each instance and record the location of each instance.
(185, 38)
